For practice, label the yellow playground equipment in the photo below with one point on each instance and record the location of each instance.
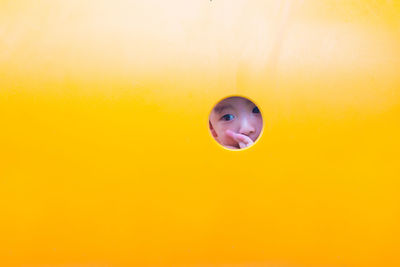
(106, 158)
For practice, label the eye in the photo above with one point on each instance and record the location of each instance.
(227, 117)
(256, 110)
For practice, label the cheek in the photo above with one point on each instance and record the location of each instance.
(260, 127)
(222, 137)
(227, 126)
(221, 132)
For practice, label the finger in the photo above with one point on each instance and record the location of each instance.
(243, 139)
(243, 145)
(230, 133)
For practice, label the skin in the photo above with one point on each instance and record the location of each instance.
(235, 123)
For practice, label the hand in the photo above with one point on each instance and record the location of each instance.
(242, 140)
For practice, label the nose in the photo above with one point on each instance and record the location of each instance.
(246, 127)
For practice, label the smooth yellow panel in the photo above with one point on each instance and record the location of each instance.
(106, 158)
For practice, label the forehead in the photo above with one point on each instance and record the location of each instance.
(231, 102)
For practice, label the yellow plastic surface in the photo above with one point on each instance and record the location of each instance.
(106, 158)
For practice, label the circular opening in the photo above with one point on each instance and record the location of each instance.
(235, 122)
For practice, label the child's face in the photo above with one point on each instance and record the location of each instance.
(237, 115)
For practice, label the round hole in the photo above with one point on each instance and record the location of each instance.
(235, 122)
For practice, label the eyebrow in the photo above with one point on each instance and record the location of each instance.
(219, 109)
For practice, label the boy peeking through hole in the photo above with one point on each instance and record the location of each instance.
(235, 122)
